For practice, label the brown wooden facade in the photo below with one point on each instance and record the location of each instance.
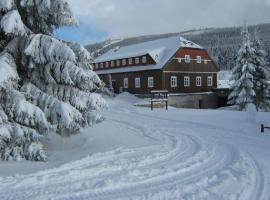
(198, 65)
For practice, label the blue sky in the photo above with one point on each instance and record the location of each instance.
(103, 19)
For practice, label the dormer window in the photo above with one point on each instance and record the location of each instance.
(124, 62)
(137, 60)
(118, 63)
(112, 63)
(199, 59)
(144, 59)
(130, 62)
(187, 58)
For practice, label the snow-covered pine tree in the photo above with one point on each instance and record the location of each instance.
(45, 84)
(243, 92)
(262, 76)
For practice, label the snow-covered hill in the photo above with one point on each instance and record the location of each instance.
(221, 43)
(139, 154)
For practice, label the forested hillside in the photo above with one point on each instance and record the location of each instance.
(221, 43)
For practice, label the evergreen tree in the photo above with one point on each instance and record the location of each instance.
(45, 84)
(243, 92)
(262, 76)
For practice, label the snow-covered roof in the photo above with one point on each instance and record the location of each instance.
(161, 50)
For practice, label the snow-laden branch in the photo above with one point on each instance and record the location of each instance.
(12, 23)
(6, 5)
(44, 49)
(8, 73)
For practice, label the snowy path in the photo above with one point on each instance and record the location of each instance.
(191, 155)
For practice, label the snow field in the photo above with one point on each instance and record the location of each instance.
(186, 154)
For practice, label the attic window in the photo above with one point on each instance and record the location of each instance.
(199, 59)
(130, 61)
(118, 63)
(137, 60)
(187, 58)
(112, 63)
(124, 62)
(144, 59)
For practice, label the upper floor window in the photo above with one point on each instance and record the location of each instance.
(186, 81)
(96, 65)
(107, 64)
(210, 81)
(173, 81)
(150, 82)
(125, 82)
(187, 58)
(118, 63)
(124, 62)
(101, 65)
(199, 59)
(198, 81)
(137, 60)
(130, 61)
(144, 59)
(137, 82)
(112, 63)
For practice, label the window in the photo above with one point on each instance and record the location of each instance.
(137, 60)
(179, 60)
(150, 82)
(130, 61)
(137, 82)
(96, 65)
(112, 63)
(198, 81)
(187, 58)
(107, 64)
(186, 81)
(205, 61)
(199, 59)
(125, 82)
(173, 81)
(118, 63)
(101, 65)
(124, 62)
(144, 59)
(210, 81)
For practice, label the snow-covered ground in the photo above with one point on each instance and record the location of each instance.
(159, 155)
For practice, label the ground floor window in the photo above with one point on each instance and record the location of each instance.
(173, 81)
(150, 82)
(137, 82)
(125, 82)
(210, 81)
(186, 81)
(198, 81)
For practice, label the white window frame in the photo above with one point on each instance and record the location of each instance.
(130, 61)
(144, 59)
(198, 81)
(173, 81)
(210, 81)
(118, 63)
(150, 82)
(187, 58)
(125, 83)
(112, 63)
(124, 62)
(186, 81)
(137, 60)
(199, 59)
(137, 82)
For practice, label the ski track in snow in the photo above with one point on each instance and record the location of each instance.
(179, 165)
